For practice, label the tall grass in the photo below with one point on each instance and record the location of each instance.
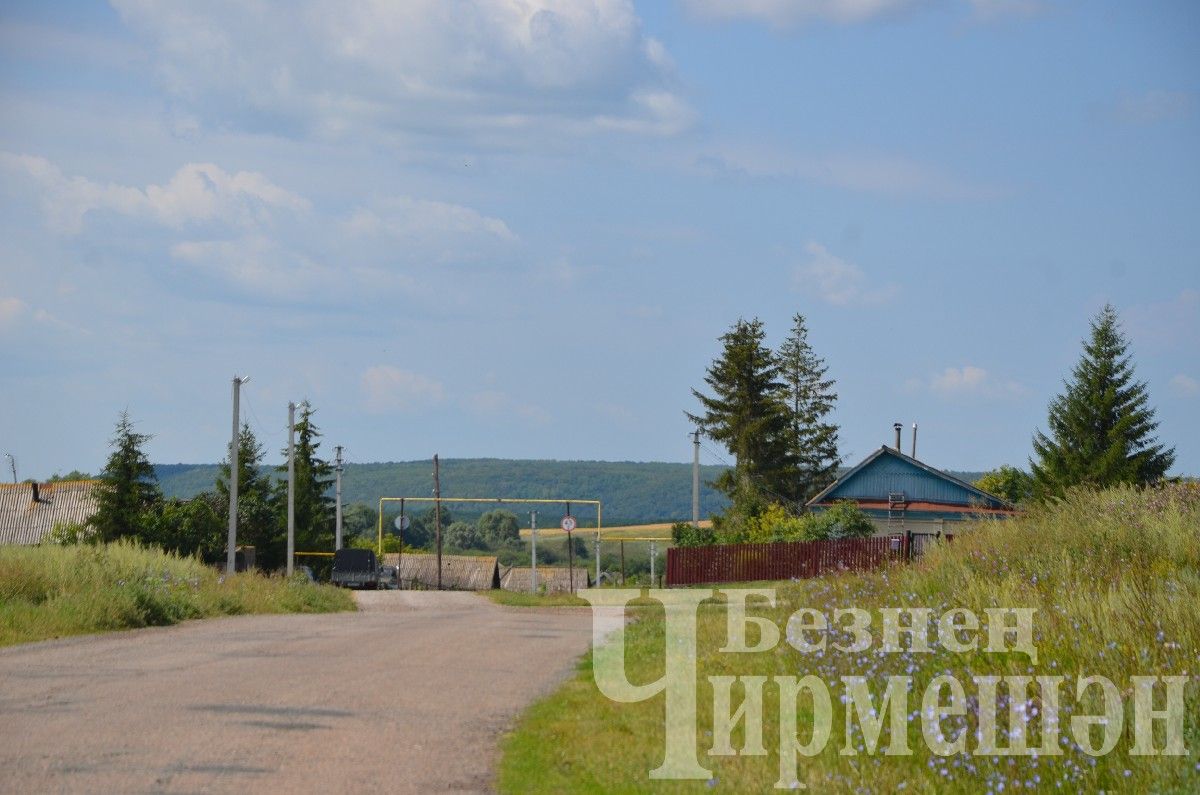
(55, 591)
(1114, 577)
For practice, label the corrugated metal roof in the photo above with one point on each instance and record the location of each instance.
(889, 471)
(23, 521)
(459, 572)
(552, 578)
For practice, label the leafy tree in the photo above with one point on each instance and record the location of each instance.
(128, 489)
(1101, 427)
(1007, 482)
(74, 474)
(360, 520)
(257, 525)
(500, 528)
(313, 503)
(747, 415)
(812, 438)
(464, 535)
(189, 527)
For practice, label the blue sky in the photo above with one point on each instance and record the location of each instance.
(517, 229)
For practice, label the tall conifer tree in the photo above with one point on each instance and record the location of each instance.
(314, 479)
(1101, 427)
(746, 413)
(812, 439)
(128, 486)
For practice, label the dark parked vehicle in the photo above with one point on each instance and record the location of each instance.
(355, 568)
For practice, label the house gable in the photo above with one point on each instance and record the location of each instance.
(886, 472)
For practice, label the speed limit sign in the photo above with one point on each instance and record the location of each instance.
(568, 523)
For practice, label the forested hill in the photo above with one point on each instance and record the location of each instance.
(632, 492)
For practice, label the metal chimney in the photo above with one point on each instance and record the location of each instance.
(899, 426)
(914, 445)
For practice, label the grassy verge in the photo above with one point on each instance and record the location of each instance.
(524, 599)
(1115, 579)
(52, 591)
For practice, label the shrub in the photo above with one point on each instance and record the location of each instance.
(843, 520)
(683, 534)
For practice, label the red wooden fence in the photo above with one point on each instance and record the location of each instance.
(785, 560)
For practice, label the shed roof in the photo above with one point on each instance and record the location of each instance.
(459, 572)
(23, 521)
(887, 471)
(552, 578)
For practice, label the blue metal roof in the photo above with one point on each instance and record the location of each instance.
(887, 471)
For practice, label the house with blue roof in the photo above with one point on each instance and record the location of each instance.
(902, 494)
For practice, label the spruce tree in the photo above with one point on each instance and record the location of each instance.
(314, 479)
(747, 415)
(256, 515)
(128, 488)
(812, 439)
(1101, 427)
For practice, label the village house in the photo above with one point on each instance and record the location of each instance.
(30, 511)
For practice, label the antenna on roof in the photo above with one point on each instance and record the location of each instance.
(12, 461)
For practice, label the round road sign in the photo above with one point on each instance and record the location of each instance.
(402, 523)
(568, 523)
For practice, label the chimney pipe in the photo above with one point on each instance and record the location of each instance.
(914, 446)
(898, 426)
(36, 496)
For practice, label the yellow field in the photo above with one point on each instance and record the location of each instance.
(661, 530)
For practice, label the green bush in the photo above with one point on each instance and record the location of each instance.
(683, 534)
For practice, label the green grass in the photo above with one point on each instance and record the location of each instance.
(525, 599)
(1115, 577)
(56, 591)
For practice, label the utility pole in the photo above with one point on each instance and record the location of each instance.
(597, 557)
(291, 517)
(231, 542)
(696, 478)
(653, 554)
(337, 522)
(570, 555)
(12, 462)
(437, 515)
(533, 557)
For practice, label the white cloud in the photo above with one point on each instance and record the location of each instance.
(197, 193)
(788, 13)
(261, 267)
(972, 380)
(494, 403)
(1185, 385)
(390, 389)
(419, 67)
(431, 230)
(884, 175)
(837, 281)
(11, 310)
(1154, 106)
(792, 13)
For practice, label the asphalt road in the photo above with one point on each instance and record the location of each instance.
(408, 695)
